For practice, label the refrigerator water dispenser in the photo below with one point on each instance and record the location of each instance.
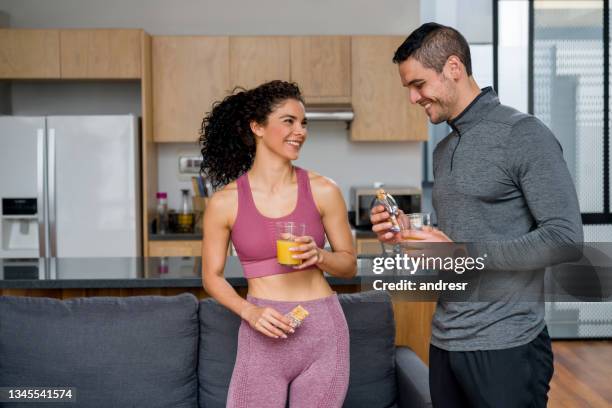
(19, 224)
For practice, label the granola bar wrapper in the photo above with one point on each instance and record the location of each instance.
(297, 316)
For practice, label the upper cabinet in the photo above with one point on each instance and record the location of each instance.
(320, 65)
(189, 74)
(322, 68)
(383, 111)
(100, 54)
(70, 54)
(29, 54)
(255, 60)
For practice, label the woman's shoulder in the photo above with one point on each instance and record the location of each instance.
(322, 186)
(224, 200)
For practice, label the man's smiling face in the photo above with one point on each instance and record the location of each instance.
(434, 91)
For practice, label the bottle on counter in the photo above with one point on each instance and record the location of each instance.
(185, 215)
(162, 268)
(386, 200)
(162, 213)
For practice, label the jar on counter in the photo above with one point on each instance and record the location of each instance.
(185, 215)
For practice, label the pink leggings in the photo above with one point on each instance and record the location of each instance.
(312, 364)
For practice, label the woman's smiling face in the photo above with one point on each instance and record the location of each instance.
(285, 131)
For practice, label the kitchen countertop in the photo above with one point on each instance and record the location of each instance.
(84, 273)
(363, 233)
(359, 234)
(175, 237)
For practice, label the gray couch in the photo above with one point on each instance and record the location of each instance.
(156, 351)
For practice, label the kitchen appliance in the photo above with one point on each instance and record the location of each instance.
(331, 112)
(69, 187)
(408, 200)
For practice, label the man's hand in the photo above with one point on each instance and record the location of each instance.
(379, 217)
(418, 242)
(427, 234)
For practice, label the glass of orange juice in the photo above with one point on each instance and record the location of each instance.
(286, 233)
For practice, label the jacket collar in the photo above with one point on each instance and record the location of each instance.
(475, 111)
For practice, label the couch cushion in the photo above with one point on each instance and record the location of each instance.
(217, 354)
(372, 332)
(117, 352)
(372, 336)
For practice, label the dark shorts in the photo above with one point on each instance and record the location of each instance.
(515, 377)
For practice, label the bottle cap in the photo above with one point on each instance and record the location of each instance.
(162, 195)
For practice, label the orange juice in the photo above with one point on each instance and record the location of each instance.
(283, 255)
(412, 239)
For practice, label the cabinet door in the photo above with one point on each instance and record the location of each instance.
(321, 66)
(189, 74)
(100, 54)
(368, 246)
(175, 248)
(255, 60)
(382, 109)
(29, 54)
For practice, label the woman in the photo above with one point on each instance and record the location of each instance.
(248, 143)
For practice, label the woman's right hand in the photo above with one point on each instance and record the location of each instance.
(267, 321)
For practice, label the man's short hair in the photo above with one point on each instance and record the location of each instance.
(431, 44)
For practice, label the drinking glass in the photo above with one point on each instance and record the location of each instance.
(415, 221)
(286, 233)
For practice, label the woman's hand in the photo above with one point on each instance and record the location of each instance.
(267, 321)
(311, 253)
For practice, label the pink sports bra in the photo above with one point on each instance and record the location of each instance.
(254, 235)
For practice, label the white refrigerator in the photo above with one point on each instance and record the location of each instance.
(69, 187)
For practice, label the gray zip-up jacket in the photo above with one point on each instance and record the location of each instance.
(501, 184)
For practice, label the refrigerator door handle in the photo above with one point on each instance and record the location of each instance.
(52, 195)
(41, 187)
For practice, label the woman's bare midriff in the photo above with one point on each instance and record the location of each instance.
(296, 286)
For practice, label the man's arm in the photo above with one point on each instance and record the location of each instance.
(536, 161)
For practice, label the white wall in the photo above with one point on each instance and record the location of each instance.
(221, 17)
(473, 18)
(328, 152)
(34, 98)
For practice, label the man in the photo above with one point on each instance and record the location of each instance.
(501, 185)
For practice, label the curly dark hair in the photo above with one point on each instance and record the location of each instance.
(226, 140)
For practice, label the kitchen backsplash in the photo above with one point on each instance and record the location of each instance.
(328, 151)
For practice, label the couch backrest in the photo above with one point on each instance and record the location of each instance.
(369, 316)
(117, 352)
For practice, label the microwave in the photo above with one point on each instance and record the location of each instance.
(408, 200)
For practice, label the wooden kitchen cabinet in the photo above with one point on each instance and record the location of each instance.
(382, 109)
(175, 248)
(189, 74)
(321, 65)
(100, 54)
(29, 54)
(255, 60)
(368, 246)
